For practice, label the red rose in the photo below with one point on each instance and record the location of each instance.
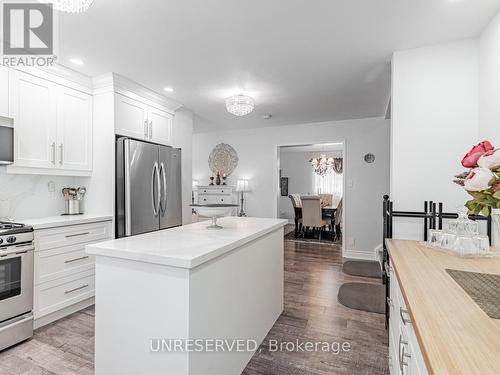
(470, 160)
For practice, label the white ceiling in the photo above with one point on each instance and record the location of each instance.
(302, 60)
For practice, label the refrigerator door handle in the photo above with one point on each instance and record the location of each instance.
(163, 205)
(155, 178)
(158, 190)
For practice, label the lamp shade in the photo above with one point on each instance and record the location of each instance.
(242, 185)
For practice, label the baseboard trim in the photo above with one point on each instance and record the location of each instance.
(362, 255)
(56, 315)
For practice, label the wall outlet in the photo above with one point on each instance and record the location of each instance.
(51, 186)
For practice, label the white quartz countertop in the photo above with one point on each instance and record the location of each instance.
(190, 245)
(63, 220)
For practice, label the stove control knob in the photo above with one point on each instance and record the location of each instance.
(1, 241)
(11, 239)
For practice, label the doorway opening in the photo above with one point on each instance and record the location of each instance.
(311, 191)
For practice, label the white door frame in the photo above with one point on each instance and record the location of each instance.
(276, 184)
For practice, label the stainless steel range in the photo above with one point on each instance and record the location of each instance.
(16, 283)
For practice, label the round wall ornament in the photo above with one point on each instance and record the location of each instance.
(223, 159)
(369, 158)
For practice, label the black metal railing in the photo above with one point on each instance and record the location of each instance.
(432, 218)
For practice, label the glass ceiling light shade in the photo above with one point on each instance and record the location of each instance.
(69, 6)
(240, 105)
(322, 165)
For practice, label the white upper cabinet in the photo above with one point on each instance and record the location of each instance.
(4, 91)
(74, 130)
(52, 126)
(131, 117)
(160, 126)
(139, 112)
(33, 108)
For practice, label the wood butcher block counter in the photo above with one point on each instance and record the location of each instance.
(455, 336)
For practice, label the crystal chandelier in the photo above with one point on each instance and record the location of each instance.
(239, 105)
(69, 6)
(322, 165)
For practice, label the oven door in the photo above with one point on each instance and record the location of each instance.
(16, 281)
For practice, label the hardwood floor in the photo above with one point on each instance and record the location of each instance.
(65, 347)
(312, 277)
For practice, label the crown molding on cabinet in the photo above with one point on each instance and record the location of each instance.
(61, 75)
(113, 82)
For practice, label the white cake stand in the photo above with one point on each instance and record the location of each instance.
(214, 211)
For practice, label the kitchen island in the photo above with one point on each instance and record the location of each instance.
(157, 293)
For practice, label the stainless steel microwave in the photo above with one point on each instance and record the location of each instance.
(6, 144)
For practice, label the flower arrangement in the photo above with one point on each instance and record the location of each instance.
(482, 180)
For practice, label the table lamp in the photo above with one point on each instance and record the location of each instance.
(242, 188)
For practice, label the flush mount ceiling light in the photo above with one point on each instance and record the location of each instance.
(168, 89)
(69, 6)
(240, 105)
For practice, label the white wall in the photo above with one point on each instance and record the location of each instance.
(183, 138)
(434, 123)
(28, 196)
(296, 166)
(489, 83)
(258, 153)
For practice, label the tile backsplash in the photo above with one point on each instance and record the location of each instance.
(28, 196)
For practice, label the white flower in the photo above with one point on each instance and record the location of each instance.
(478, 179)
(490, 160)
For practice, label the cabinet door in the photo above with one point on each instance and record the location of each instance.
(160, 126)
(131, 117)
(32, 103)
(74, 130)
(4, 91)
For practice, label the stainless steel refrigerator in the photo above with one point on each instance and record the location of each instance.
(148, 187)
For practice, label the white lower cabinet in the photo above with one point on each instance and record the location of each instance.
(405, 356)
(64, 273)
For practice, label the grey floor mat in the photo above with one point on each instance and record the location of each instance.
(362, 268)
(363, 296)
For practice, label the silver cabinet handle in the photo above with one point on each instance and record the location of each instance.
(163, 205)
(146, 131)
(155, 178)
(403, 319)
(77, 234)
(151, 129)
(61, 150)
(76, 289)
(76, 259)
(402, 362)
(53, 147)
(401, 345)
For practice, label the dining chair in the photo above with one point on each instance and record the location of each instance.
(297, 208)
(338, 220)
(312, 216)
